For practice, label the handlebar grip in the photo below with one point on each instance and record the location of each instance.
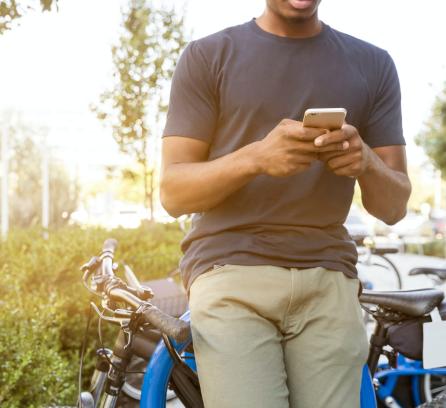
(178, 329)
(110, 245)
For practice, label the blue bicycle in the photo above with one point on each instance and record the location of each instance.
(172, 367)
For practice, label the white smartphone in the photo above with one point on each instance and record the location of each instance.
(325, 118)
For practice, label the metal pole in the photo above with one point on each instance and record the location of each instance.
(4, 187)
(45, 192)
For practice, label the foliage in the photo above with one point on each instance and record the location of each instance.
(433, 137)
(26, 181)
(12, 10)
(435, 247)
(44, 305)
(150, 42)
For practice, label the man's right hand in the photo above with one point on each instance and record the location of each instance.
(289, 149)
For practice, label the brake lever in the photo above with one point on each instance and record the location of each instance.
(116, 320)
(128, 335)
(131, 327)
(92, 264)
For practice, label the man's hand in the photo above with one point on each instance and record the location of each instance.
(290, 149)
(351, 162)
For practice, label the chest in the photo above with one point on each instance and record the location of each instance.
(267, 87)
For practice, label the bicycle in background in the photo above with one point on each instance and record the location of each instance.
(375, 269)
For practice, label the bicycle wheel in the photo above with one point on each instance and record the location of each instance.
(432, 387)
(130, 394)
(379, 272)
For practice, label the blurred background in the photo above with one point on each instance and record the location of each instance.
(84, 89)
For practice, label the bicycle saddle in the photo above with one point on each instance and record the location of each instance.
(440, 272)
(413, 303)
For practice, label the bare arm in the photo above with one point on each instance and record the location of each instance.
(190, 183)
(385, 185)
(381, 173)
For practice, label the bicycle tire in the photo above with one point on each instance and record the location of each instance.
(395, 270)
(432, 387)
(369, 271)
(437, 402)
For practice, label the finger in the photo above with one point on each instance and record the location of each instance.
(327, 156)
(287, 121)
(341, 161)
(298, 132)
(334, 147)
(336, 136)
(349, 171)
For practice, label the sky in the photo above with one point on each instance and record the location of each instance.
(54, 65)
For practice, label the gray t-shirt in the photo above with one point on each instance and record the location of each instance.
(230, 89)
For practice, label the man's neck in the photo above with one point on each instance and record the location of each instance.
(274, 24)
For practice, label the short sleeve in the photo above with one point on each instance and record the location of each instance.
(192, 110)
(383, 126)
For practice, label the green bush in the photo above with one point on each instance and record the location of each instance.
(435, 247)
(43, 305)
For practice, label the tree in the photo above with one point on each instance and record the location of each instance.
(12, 10)
(150, 42)
(26, 182)
(433, 136)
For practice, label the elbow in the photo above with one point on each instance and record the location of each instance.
(168, 203)
(399, 212)
(394, 209)
(395, 217)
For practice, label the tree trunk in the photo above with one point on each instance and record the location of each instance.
(146, 192)
(152, 218)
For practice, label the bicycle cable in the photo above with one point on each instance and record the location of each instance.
(84, 345)
(107, 357)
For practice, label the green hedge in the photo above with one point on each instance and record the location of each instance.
(43, 305)
(435, 247)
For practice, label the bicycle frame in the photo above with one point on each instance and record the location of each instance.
(159, 369)
(388, 377)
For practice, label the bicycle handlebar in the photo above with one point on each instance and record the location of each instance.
(178, 329)
(107, 254)
(110, 245)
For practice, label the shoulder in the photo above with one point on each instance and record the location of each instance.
(219, 39)
(216, 48)
(359, 48)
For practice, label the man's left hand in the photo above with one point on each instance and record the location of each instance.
(351, 162)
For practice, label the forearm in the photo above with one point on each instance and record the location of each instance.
(199, 186)
(384, 191)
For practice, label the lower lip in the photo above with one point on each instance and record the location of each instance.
(300, 4)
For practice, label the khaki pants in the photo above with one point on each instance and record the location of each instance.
(273, 337)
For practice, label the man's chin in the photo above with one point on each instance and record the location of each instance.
(298, 17)
(302, 5)
(301, 10)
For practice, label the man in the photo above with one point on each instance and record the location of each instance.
(269, 267)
